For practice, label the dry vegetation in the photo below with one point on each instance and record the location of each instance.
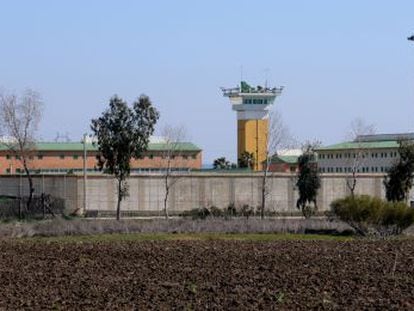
(60, 227)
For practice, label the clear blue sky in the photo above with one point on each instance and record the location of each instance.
(337, 60)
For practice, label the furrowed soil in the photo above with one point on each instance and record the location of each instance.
(195, 275)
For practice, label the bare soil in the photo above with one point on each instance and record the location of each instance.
(195, 275)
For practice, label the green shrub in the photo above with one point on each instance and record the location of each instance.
(372, 215)
(196, 213)
(231, 210)
(216, 212)
(246, 211)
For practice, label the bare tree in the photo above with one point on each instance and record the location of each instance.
(355, 159)
(278, 137)
(171, 157)
(20, 117)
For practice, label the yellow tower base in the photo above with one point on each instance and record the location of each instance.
(252, 138)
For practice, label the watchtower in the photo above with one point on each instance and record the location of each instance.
(252, 106)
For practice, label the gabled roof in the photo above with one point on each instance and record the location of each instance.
(78, 146)
(373, 141)
(289, 159)
(361, 145)
(385, 137)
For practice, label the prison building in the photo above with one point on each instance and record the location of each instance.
(365, 154)
(68, 157)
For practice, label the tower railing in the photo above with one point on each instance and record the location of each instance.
(236, 91)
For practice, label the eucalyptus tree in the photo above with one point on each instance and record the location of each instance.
(308, 180)
(399, 179)
(123, 133)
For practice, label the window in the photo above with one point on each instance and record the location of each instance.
(75, 156)
(8, 157)
(62, 156)
(17, 170)
(17, 157)
(194, 156)
(7, 170)
(151, 156)
(40, 157)
(185, 156)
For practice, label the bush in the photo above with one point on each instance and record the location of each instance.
(42, 206)
(231, 210)
(369, 215)
(215, 211)
(246, 211)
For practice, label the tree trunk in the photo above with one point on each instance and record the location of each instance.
(167, 192)
(167, 186)
(31, 187)
(354, 181)
(118, 207)
(20, 208)
(351, 186)
(263, 205)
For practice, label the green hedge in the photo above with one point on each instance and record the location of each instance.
(372, 215)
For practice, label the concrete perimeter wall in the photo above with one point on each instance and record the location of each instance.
(62, 186)
(189, 191)
(207, 189)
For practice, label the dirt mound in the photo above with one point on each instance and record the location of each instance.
(228, 275)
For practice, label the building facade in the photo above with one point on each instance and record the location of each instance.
(285, 161)
(366, 154)
(56, 157)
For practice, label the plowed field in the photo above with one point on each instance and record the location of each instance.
(194, 275)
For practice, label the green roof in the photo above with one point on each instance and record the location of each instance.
(285, 159)
(78, 146)
(361, 145)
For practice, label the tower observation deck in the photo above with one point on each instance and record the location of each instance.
(252, 107)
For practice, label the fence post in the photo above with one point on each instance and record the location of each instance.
(43, 183)
(20, 197)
